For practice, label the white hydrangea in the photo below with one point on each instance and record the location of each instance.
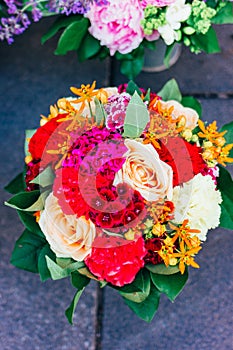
(198, 201)
(176, 13)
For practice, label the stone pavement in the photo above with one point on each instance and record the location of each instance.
(31, 312)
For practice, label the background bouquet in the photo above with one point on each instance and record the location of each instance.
(123, 29)
(121, 186)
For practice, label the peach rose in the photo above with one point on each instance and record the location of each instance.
(145, 172)
(68, 236)
(190, 114)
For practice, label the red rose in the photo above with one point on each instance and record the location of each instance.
(116, 260)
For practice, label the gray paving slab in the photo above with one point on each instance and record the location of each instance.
(197, 74)
(32, 313)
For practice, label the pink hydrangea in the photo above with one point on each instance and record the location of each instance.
(117, 25)
(157, 3)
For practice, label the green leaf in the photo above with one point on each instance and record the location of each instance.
(168, 54)
(84, 271)
(28, 201)
(171, 285)
(131, 68)
(30, 223)
(71, 309)
(28, 134)
(132, 87)
(89, 48)
(146, 309)
(45, 178)
(72, 36)
(61, 22)
(147, 96)
(26, 251)
(162, 269)
(142, 282)
(42, 264)
(191, 102)
(136, 118)
(207, 42)
(16, 185)
(58, 272)
(100, 114)
(79, 281)
(229, 135)
(224, 15)
(170, 91)
(225, 185)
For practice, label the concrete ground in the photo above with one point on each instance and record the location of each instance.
(31, 312)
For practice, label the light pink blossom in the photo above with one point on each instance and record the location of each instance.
(157, 3)
(117, 25)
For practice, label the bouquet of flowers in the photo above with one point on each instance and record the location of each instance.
(123, 29)
(121, 185)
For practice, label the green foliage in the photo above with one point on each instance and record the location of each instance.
(168, 54)
(171, 285)
(72, 36)
(61, 22)
(42, 263)
(207, 42)
(57, 272)
(30, 223)
(224, 15)
(162, 269)
(26, 251)
(136, 118)
(16, 185)
(79, 282)
(88, 48)
(28, 134)
(170, 91)
(45, 178)
(192, 102)
(131, 64)
(28, 201)
(225, 185)
(132, 87)
(146, 309)
(100, 114)
(229, 135)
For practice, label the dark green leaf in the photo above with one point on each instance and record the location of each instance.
(132, 87)
(58, 272)
(193, 103)
(60, 23)
(28, 201)
(42, 264)
(84, 271)
(71, 309)
(225, 185)
(141, 282)
(149, 44)
(171, 285)
(207, 42)
(136, 118)
(229, 135)
(79, 281)
(26, 251)
(89, 48)
(146, 309)
(224, 15)
(132, 67)
(30, 223)
(170, 91)
(16, 185)
(162, 269)
(72, 37)
(147, 96)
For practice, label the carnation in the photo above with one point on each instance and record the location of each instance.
(117, 25)
(198, 201)
(115, 261)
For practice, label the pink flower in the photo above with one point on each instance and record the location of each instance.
(116, 110)
(117, 25)
(116, 260)
(157, 3)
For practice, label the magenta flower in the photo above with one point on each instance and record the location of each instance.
(116, 111)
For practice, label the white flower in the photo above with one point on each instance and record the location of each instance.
(175, 14)
(199, 202)
(145, 172)
(67, 235)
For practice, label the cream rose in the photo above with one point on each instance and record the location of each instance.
(145, 172)
(68, 236)
(191, 116)
(199, 202)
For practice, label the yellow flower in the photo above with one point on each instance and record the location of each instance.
(183, 232)
(53, 113)
(158, 229)
(210, 132)
(86, 92)
(186, 257)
